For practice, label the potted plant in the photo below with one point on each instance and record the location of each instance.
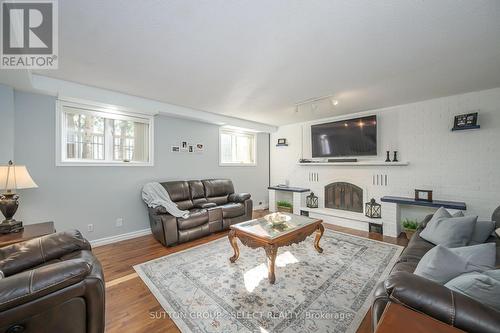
(409, 227)
(284, 206)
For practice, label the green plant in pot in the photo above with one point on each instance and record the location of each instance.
(284, 206)
(409, 227)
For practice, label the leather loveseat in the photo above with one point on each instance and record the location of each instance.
(212, 204)
(51, 284)
(429, 297)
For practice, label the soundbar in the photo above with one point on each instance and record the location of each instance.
(342, 160)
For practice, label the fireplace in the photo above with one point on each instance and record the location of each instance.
(344, 196)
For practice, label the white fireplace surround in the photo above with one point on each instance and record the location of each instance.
(390, 212)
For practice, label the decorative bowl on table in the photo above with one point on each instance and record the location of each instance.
(277, 219)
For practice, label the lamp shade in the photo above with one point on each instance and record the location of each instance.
(15, 177)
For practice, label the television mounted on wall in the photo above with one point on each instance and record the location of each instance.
(350, 137)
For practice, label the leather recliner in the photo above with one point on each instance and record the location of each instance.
(212, 204)
(51, 284)
(429, 297)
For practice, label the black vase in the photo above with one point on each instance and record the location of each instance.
(388, 159)
(395, 158)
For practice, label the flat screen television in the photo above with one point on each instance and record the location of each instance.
(351, 137)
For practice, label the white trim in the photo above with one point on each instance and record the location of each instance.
(104, 110)
(119, 238)
(232, 130)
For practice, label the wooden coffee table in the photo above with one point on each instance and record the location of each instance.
(260, 233)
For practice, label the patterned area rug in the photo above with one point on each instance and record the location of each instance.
(330, 292)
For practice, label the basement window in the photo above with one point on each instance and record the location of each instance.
(237, 148)
(102, 135)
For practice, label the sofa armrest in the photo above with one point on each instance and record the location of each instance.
(170, 229)
(205, 205)
(21, 256)
(423, 224)
(437, 301)
(29, 285)
(239, 197)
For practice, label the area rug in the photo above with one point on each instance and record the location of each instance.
(330, 292)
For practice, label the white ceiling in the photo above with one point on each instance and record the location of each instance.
(255, 59)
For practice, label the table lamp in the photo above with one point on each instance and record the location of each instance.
(12, 178)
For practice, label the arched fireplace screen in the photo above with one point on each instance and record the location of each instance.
(344, 196)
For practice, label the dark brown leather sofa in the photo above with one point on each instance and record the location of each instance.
(426, 296)
(212, 204)
(51, 284)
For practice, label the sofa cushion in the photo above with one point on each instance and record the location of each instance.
(449, 231)
(196, 218)
(197, 192)
(483, 287)
(482, 231)
(218, 190)
(233, 210)
(441, 264)
(179, 193)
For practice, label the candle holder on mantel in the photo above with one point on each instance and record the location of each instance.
(388, 158)
(395, 158)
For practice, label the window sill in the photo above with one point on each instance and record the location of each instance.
(238, 164)
(115, 164)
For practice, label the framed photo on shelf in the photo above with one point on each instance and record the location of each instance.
(176, 149)
(423, 195)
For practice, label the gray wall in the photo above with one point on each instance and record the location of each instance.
(76, 196)
(6, 124)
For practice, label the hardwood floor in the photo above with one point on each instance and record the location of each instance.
(130, 306)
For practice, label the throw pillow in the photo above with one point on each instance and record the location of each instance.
(482, 231)
(449, 231)
(483, 287)
(441, 264)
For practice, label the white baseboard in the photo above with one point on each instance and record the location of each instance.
(121, 237)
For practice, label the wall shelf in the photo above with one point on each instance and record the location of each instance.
(282, 145)
(360, 163)
(466, 128)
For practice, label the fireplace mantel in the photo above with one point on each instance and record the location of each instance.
(360, 163)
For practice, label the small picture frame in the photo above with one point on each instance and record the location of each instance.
(465, 120)
(176, 149)
(184, 145)
(191, 149)
(282, 141)
(423, 195)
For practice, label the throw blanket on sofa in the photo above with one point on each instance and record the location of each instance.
(154, 195)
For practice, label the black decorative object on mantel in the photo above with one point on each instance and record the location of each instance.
(388, 159)
(395, 158)
(312, 201)
(373, 209)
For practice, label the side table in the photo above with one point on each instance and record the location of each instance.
(30, 231)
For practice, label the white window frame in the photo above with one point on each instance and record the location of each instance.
(236, 131)
(105, 111)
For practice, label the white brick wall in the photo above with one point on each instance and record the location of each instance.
(461, 166)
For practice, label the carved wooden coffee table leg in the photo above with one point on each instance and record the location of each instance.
(234, 244)
(319, 234)
(271, 252)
